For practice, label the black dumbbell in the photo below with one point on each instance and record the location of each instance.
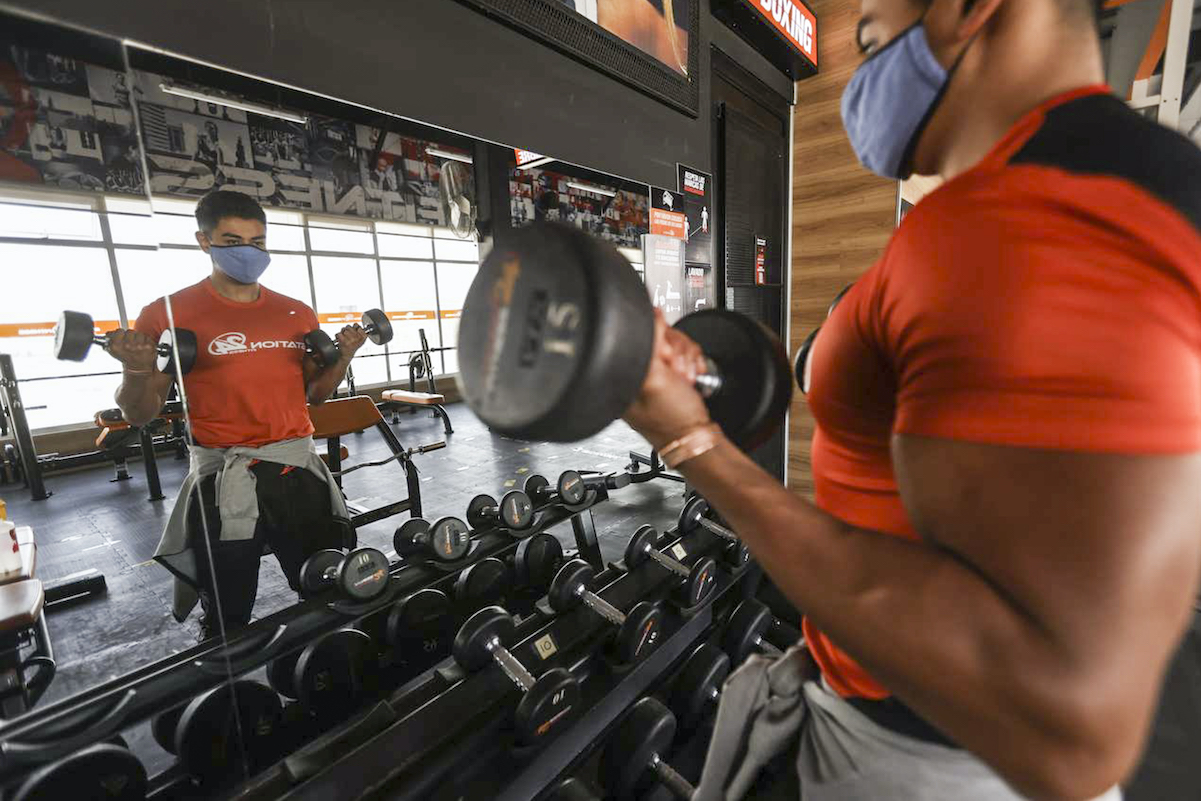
(801, 367)
(324, 349)
(694, 516)
(515, 512)
(418, 630)
(744, 631)
(359, 575)
(548, 704)
(698, 685)
(569, 490)
(556, 337)
(632, 760)
(487, 582)
(447, 540)
(637, 632)
(536, 561)
(76, 333)
(698, 582)
(223, 727)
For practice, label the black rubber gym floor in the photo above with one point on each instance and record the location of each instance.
(91, 523)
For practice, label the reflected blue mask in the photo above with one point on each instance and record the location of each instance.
(243, 263)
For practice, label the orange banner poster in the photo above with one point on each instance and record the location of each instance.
(667, 213)
(47, 329)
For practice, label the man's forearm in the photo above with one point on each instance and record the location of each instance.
(138, 398)
(325, 382)
(921, 621)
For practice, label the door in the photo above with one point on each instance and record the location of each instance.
(751, 166)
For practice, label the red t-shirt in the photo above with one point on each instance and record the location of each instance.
(1048, 298)
(247, 387)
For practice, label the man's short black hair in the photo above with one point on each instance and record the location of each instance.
(220, 203)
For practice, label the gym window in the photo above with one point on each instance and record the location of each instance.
(111, 255)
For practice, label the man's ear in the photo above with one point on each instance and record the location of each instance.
(974, 15)
(202, 240)
(951, 24)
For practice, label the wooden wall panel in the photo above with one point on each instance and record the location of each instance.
(842, 215)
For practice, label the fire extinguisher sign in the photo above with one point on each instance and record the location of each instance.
(760, 261)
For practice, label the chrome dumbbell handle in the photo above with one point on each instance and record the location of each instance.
(509, 664)
(667, 562)
(671, 779)
(599, 605)
(718, 529)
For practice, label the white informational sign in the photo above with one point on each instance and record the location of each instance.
(663, 265)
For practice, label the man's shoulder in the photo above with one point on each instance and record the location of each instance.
(280, 300)
(156, 310)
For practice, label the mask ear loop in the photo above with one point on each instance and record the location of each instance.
(905, 169)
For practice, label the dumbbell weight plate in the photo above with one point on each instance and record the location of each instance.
(335, 673)
(571, 487)
(802, 360)
(750, 620)
(548, 707)
(73, 336)
(692, 513)
(363, 574)
(635, 554)
(647, 729)
(103, 770)
(185, 342)
(475, 511)
(736, 555)
(419, 630)
(376, 318)
(322, 347)
(701, 582)
(516, 511)
(537, 560)
(556, 334)
(485, 583)
(313, 571)
(470, 643)
(704, 672)
(562, 592)
(451, 538)
(280, 673)
(535, 485)
(639, 635)
(163, 726)
(211, 739)
(756, 376)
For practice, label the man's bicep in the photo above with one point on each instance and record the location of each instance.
(1101, 550)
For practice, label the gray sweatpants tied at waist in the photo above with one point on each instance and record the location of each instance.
(768, 704)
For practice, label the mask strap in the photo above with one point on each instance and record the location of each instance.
(906, 166)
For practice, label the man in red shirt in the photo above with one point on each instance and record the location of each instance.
(1005, 543)
(247, 400)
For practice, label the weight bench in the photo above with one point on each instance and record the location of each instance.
(340, 417)
(23, 623)
(118, 438)
(393, 398)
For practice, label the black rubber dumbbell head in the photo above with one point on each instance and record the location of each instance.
(321, 347)
(547, 707)
(692, 692)
(801, 368)
(645, 537)
(571, 488)
(562, 595)
(691, 515)
(746, 625)
(470, 646)
(701, 582)
(377, 326)
(537, 560)
(639, 635)
(318, 571)
(363, 574)
(647, 730)
(488, 581)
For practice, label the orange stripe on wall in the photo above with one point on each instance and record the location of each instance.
(1155, 47)
(47, 329)
(353, 318)
(452, 314)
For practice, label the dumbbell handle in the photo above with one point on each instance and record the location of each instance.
(509, 664)
(718, 529)
(666, 561)
(766, 647)
(599, 605)
(680, 787)
(161, 349)
(710, 381)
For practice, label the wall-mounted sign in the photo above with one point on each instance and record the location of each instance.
(760, 261)
(696, 188)
(664, 273)
(784, 31)
(667, 212)
(528, 159)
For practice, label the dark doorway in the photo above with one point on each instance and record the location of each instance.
(750, 161)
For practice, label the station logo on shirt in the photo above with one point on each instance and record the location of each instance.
(233, 342)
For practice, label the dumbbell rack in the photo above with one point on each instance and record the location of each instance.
(449, 726)
(50, 732)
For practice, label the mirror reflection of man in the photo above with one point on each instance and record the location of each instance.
(255, 479)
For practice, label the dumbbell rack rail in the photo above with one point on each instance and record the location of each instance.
(47, 733)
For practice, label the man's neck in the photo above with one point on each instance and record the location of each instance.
(228, 288)
(1012, 68)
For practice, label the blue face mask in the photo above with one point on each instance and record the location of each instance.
(890, 99)
(243, 263)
